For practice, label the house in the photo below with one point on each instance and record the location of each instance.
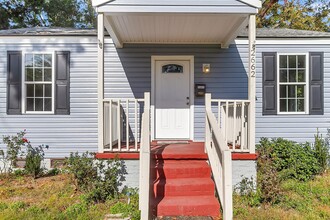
(172, 80)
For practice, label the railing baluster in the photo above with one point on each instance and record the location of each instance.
(136, 122)
(110, 124)
(242, 126)
(118, 125)
(219, 106)
(127, 125)
(234, 124)
(226, 122)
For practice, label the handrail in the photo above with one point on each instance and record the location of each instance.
(144, 188)
(220, 160)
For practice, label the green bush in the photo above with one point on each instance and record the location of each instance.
(129, 207)
(291, 160)
(33, 159)
(99, 179)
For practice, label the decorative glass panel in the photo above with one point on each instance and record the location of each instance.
(172, 68)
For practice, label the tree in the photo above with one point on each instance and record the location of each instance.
(46, 13)
(295, 14)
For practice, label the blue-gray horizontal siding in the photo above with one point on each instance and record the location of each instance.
(128, 74)
(63, 133)
(300, 128)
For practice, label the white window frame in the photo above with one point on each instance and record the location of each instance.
(23, 85)
(307, 83)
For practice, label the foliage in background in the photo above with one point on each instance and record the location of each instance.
(295, 14)
(14, 150)
(99, 179)
(47, 13)
(322, 149)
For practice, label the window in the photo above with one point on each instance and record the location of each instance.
(172, 68)
(38, 82)
(292, 83)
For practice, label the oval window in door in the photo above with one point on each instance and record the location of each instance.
(172, 68)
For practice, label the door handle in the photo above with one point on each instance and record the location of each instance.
(188, 100)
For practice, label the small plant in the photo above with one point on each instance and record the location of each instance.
(322, 151)
(33, 159)
(247, 189)
(99, 179)
(129, 205)
(13, 151)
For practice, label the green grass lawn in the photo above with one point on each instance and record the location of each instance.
(46, 198)
(300, 200)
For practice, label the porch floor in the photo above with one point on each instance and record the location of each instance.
(163, 150)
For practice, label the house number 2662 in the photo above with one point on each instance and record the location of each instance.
(253, 61)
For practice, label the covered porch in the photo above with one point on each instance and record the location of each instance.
(128, 124)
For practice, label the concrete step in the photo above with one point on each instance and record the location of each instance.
(188, 206)
(184, 187)
(171, 169)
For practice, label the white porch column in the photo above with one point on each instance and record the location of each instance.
(100, 79)
(252, 82)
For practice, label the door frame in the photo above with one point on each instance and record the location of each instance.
(191, 88)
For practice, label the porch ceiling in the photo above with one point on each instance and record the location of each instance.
(174, 28)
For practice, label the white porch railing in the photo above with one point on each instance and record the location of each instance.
(121, 124)
(220, 159)
(144, 188)
(232, 119)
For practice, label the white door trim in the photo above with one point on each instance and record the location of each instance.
(191, 92)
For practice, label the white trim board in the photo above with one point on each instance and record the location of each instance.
(153, 89)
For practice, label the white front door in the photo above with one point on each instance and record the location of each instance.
(172, 99)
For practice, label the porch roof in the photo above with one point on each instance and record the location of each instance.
(175, 21)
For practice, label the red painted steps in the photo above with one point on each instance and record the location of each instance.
(182, 182)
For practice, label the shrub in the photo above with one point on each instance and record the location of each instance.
(248, 191)
(33, 159)
(14, 146)
(99, 179)
(290, 160)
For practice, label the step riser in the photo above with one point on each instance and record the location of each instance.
(169, 173)
(162, 190)
(200, 210)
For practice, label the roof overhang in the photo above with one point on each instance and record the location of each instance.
(153, 22)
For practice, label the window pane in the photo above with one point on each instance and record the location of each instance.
(48, 90)
(48, 104)
(283, 75)
(39, 91)
(29, 104)
(292, 105)
(292, 61)
(38, 60)
(301, 61)
(28, 60)
(30, 90)
(301, 105)
(292, 91)
(48, 75)
(39, 104)
(283, 105)
(283, 61)
(301, 75)
(47, 60)
(283, 92)
(38, 74)
(301, 91)
(292, 76)
(29, 74)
